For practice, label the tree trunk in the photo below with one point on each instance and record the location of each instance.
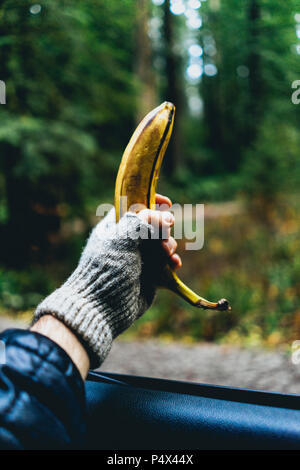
(147, 97)
(255, 75)
(172, 91)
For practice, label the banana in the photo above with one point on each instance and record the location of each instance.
(136, 186)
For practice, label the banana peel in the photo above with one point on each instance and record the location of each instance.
(136, 187)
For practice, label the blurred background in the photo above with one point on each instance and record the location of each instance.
(79, 76)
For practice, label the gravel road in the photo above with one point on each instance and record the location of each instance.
(206, 363)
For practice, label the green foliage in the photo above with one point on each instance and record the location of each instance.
(272, 164)
(69, 93)
(252, 44)
(22, 290)
(69, 89)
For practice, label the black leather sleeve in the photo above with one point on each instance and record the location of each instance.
(42, 401)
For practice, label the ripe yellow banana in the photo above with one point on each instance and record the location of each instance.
(137, 180)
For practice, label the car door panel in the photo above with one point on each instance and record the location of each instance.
(128, 412)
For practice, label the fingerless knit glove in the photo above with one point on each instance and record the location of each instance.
(107, 291)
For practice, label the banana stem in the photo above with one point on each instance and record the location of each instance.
(171, 281)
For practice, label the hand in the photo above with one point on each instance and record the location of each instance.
(169, 244)
(109, 290)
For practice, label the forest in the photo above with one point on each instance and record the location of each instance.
(79, 76)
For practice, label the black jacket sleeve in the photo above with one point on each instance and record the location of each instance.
(42, 402)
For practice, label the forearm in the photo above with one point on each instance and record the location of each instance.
(59, 333)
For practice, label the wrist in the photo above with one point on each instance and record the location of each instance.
(81, 314)
(55, 330)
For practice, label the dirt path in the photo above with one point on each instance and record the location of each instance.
(206, 363)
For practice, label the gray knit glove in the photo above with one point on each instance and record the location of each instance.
(108, 289)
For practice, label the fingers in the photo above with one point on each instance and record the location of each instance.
(163, 220)
(169, 247)
(159, 220)
(163, 201)
(175, 261)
